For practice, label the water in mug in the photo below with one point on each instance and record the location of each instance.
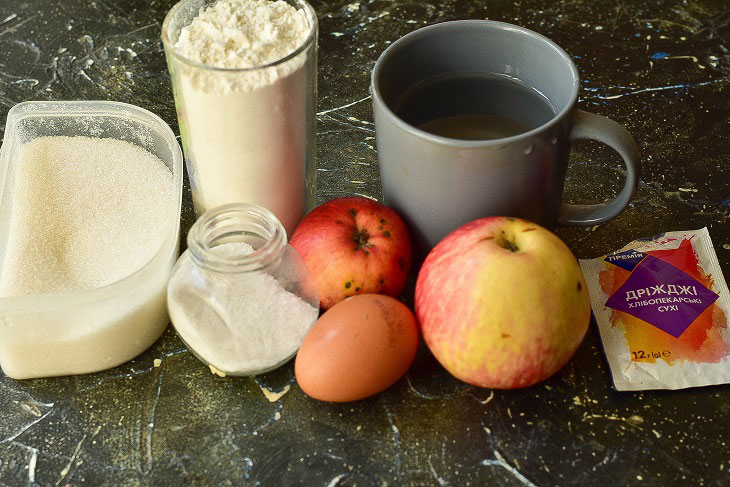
(474, 106)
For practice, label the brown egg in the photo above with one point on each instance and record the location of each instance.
(359, 347)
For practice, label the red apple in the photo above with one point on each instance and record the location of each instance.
(502, 303)
(354, 246)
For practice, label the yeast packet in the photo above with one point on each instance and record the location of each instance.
(662, 309)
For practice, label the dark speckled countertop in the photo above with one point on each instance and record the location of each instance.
(659, 67)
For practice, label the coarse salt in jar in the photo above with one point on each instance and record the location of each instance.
(240, 297)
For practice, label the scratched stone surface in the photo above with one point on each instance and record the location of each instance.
(659, 67)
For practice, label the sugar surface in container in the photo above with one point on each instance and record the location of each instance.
(86, 212)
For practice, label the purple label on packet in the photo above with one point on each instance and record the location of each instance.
(626, 260)
(662, 295)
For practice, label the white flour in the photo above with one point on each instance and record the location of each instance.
(243, 33)
(240, 323)
(246, 132)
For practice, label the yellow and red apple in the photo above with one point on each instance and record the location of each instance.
(502, 303)
(354, 246)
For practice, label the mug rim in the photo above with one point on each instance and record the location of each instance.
(464, 143)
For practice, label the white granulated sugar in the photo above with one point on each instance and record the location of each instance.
(86, 212)
(241, 323)
(243, 33)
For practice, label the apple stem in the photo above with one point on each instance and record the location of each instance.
(360, 238)
(504, 242)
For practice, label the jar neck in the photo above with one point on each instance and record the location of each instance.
(235, 224)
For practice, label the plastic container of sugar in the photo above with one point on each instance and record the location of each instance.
(104, 300)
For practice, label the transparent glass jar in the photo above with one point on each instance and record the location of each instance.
(240, 296)
(248, 133)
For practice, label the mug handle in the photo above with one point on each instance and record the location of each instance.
(595, 127)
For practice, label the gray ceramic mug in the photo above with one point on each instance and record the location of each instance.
(438, 183)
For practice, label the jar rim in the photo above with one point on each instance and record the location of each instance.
(231, 222)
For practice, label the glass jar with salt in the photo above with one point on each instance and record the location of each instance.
(240, 297)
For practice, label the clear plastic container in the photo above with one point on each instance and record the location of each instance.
(248, 133)
(88, 330)
(240, 297)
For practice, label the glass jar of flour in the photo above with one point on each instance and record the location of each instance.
(240, 297)
(244, 78)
